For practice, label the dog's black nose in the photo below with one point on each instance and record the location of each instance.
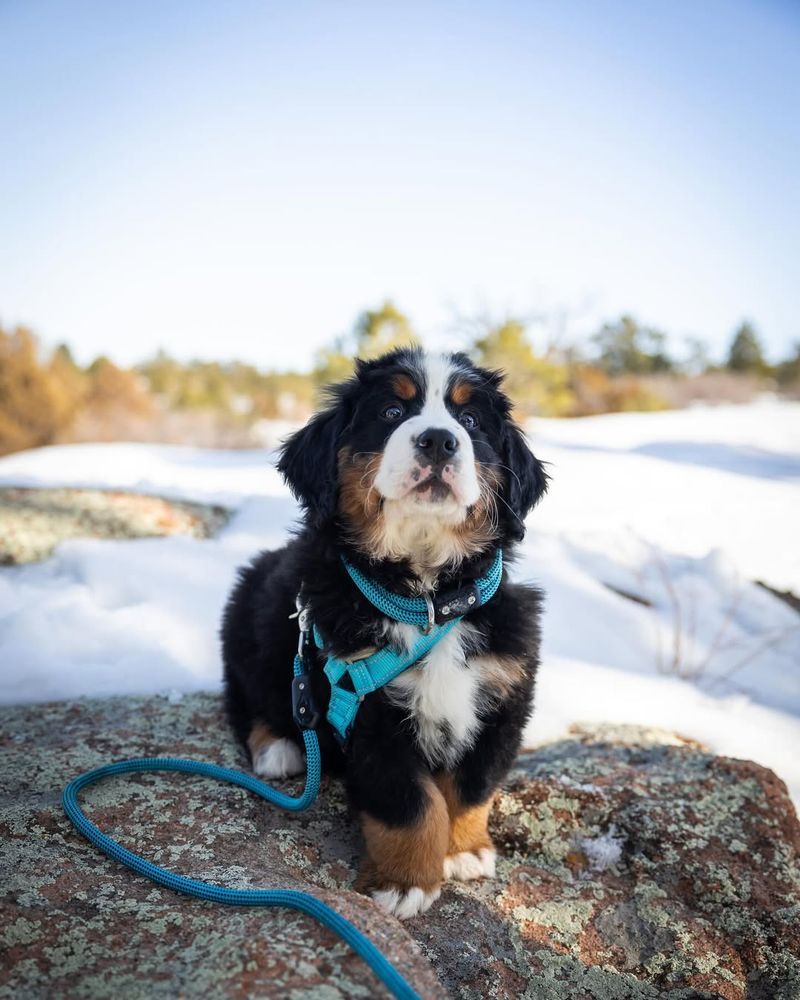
(437, 444)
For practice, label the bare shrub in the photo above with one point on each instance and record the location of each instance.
(679, 653)
(711, 387)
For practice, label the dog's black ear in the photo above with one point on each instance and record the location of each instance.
(526, 480)
(309, 461)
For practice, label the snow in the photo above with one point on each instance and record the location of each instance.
(688, 481)
(224, 477)
(604, 851)
(680, 510)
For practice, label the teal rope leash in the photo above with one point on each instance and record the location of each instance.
(425, 612)
(290, 898)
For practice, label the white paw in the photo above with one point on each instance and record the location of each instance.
(280, 759)
(405, 904)
(467, 866)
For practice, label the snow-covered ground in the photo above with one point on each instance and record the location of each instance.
(682, 510)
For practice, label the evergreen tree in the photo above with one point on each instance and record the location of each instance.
(626, 348)
(746, 354)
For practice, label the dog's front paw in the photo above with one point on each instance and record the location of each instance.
(279, 759)
(405, 903)
(468, 865)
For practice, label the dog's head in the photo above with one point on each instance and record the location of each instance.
(416, 457)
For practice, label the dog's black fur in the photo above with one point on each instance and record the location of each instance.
(383, 763)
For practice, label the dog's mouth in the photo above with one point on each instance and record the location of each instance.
(438, 488)
(433, 490)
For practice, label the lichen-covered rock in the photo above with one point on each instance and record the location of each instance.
(633, 866)
(640, 871)
(34, 520)
(75, 924)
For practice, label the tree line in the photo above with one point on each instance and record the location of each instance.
(47, 397)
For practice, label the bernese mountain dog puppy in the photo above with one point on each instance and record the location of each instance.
(414, 472)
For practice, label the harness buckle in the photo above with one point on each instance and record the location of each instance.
(304, 708)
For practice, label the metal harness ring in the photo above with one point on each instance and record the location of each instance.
(431, 612)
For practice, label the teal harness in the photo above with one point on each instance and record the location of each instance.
(434, 617)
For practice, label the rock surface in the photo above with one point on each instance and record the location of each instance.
(33, 521)
(632, 866)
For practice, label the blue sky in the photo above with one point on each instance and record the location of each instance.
(240, 179)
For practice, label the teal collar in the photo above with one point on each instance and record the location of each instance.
(430, 609)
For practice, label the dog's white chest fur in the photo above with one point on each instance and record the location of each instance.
(441, 696)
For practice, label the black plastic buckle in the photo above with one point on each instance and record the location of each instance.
(304, 709)
(456, 603)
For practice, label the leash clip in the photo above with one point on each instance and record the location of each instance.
(304, 709)
(303, 616)
(305, 712)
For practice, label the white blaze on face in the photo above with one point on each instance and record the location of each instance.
(400, 471)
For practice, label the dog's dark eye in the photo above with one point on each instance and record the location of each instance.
(468, 419)
(392, 412)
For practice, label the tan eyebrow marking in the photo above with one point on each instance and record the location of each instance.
(404, 386)
(461, 393)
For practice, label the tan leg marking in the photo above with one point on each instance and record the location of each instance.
(403, 865)
(273, 756)
(259, 739)
(470, 851)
